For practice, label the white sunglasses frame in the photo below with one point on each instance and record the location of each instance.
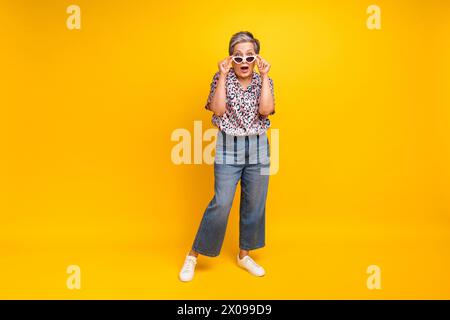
(244, 59)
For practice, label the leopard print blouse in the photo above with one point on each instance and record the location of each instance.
(241, 117)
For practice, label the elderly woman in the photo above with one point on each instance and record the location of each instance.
(241, 100)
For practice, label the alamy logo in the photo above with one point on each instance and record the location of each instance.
(74, 280)
(374, 20)
(374, 279)
(259, 149)
(74, 19)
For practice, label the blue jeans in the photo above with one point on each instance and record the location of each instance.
(246, 159)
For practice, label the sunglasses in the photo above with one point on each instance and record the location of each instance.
(239, 59)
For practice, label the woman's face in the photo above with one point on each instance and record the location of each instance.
(244, 69)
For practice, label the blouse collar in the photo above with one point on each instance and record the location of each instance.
(255, 79)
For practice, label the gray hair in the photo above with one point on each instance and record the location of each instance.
(243, 36)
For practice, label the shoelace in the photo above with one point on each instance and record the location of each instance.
(189, 264)
(253, 262)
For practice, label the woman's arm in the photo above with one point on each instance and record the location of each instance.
(266, 100)
(218, 101)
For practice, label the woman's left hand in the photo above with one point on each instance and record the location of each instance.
(263, 65)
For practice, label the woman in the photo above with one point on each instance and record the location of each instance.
(241, 101)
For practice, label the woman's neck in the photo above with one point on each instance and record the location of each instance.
(245, 82)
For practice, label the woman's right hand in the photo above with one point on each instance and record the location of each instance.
(225, 66)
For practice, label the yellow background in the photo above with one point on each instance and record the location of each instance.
(86, 174)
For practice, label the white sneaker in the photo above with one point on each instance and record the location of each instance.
(251, 266)
(187, 271)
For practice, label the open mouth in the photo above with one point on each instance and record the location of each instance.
(244, 68)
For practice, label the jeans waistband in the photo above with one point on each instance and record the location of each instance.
(242, 149)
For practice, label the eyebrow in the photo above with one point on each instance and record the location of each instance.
(248, 51)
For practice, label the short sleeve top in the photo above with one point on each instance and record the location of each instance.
(241, 117)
